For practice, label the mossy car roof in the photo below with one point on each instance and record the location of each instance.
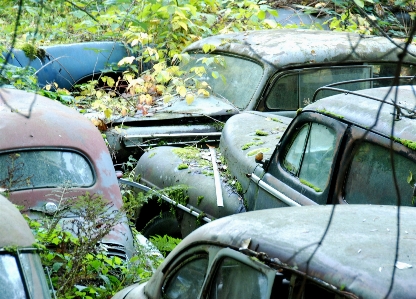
(364, 111)
(356, 255)
(285, 47)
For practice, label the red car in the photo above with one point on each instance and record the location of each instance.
(45, 148)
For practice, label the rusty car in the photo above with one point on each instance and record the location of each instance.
(69, 64)
(274, 71)
(48, 149)
(339, 251)
(22, 275)
(337, 150)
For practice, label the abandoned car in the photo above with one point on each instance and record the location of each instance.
(267, 70)
(335, 151)
(71, 64)
(22, 275)
(339, 251)
(49, 154)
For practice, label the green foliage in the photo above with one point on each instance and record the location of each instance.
(79, 266)
(182, 166)
(310, 185)
(165, 244)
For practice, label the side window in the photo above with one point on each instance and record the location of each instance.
(235, 280)
(370, 177)
(296, 88)
(311, 154)
(186, 282)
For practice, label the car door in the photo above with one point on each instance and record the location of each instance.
(366, 174)
(222, 273)
(302, 167)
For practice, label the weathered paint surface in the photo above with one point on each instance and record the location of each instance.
(68, 64)
(30, 121)
(357, 253)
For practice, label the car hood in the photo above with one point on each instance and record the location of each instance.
(179, 108)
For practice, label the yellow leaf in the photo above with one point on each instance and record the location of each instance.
(204, 92)
(48, 87)
(126, 60)
(181, 90)
(107, 112)
(167, 98)
(189, 98)
(99, 94)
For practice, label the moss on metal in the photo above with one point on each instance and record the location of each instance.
(310, 185)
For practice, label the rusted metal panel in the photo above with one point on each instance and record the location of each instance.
(356, 255)
(288, 47)
(30, 121)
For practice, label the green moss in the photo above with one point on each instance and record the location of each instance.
(256, 151)
(250, 144)
(208, 173)
(298, 111)
(276, 120)
(190, 154)
(199, 199)
(183, 166)
(310, 185)
(152, 154)
(324, 111)
(32, 52)
(261, 133)
(238, 187)
(407, 143)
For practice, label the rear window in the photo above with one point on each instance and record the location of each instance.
(44, 169)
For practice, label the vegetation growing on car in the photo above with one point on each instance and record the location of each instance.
(250, 144)
(182, 166)
(199, 199)
(32, 52)
(310, 185)
(324, 111)
(261, 133)
(258, 150)
(407, 143)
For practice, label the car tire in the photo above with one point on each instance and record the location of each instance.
(163, 224)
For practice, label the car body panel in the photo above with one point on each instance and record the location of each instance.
(69, 64)
(349, 248)
(266, 183)
(33, 122)
(278, 52)
(19, 237)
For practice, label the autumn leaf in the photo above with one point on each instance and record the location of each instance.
(189, 98)
(203, 92)
(181, 90)
(126, 60)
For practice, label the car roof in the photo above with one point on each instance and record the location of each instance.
(41, 122)
(357, 253)
(366, 109)
(14, 230)
(286, 47)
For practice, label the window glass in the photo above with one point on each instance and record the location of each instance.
(294, 154)
(235, 280)
(186, 283)
(312, 163)
(318, 157)
(370, 177)
(232, 78)
(35, 277)
(295, 90)
(11, 284)
(44, 169)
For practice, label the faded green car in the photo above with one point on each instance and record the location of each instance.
(21, 272)
(337, 150)
(332, 252)
(267, 70)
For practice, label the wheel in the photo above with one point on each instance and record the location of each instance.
(164, 224)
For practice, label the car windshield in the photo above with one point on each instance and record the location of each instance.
(44, 169)
(229, 77)
(19, 272)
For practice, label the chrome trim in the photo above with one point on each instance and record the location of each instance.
(273, 191)
(167, 199)
(172, 135)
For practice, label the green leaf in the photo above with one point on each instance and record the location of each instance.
(261, 14)
(359, 3)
